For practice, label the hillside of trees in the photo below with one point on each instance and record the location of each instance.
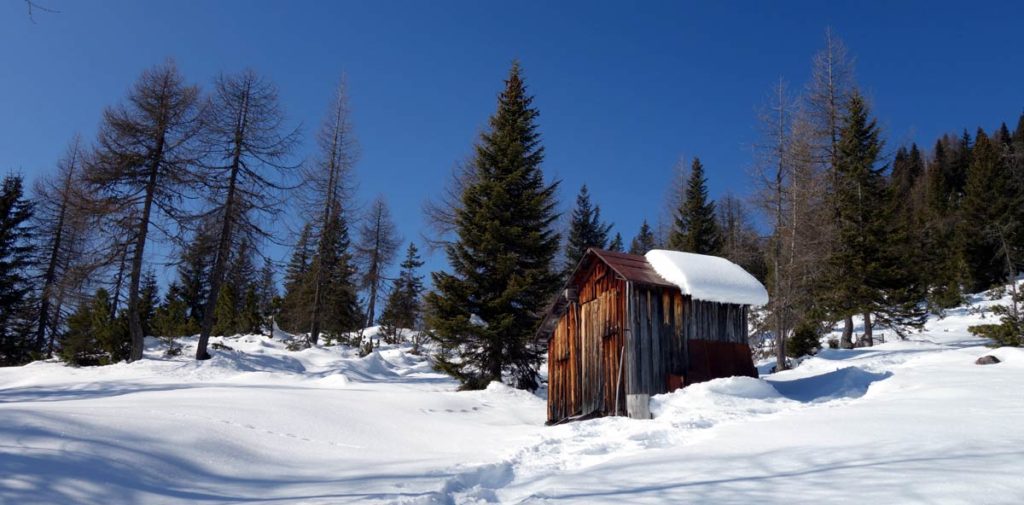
(849, 226)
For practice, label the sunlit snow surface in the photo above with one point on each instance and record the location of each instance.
(903, 422)
(708, 278)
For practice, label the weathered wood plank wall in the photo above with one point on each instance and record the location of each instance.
(584, 351)
(654, 336)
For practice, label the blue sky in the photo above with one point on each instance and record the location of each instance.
(624, 89)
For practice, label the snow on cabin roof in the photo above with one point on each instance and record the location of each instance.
(708, 278)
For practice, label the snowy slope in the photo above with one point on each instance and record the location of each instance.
(903, 422)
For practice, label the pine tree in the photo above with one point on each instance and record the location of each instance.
(695, 228)
(18, 343)
(643, 241)
(484, 312)
(616, 243)
(402, 309)
(586, 230)
(94, 337)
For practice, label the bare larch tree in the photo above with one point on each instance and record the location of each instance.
(142, 165)
(244, 171)
(376, 249)
(329, 189)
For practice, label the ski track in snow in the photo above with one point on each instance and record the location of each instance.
(904, 422)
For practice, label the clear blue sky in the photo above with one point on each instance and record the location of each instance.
(624, 89)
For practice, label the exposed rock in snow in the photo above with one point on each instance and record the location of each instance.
(986, 360)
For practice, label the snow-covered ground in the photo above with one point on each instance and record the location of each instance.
(903, 422)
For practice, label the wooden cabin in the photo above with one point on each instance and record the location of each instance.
(626, 327)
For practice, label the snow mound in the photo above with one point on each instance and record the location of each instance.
(849, 382)
(708, 278)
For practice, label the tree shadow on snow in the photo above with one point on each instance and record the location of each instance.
(133, 469)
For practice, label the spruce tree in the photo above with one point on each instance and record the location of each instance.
(225, 315)
(940, 210)
(18, 343)
(94, 337)
(339, 296)
(402, 309)
(294, 314)
(586, 230)
(171, 318)
(149, 299)
(484, 312)
(866, 275)
(991, 209)
(643, 241)
(616, 243)
(695, 227)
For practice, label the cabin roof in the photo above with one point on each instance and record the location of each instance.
(708, 278)
(631, 267)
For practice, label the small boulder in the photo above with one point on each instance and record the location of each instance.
(986, 360)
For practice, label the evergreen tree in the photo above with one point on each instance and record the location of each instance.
(484, 312)
(402, 309)
(616, 243)
(171, 318)
(194, 270)
(225, 315)
(585, 230)
(695, 228)
(866, 276)
(249, 318)
(18, 343)
(329, 180)
(941, 244)
(643, 241)
(298, 297)
(94, 337)
(149, 299)
(991, 209)
(339, 296)
(266, 291)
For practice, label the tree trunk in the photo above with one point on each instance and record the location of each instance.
(134, 318)
(221, 256)
(51, 273)
(847, 340)
(868, 337)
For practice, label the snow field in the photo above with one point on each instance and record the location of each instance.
(903, 422)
